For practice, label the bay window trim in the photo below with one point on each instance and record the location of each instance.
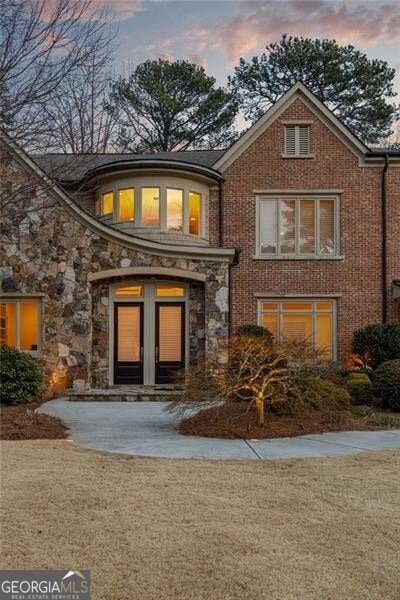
(316, 196)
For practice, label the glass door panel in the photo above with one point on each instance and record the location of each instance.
(170, 336)
(128, 334)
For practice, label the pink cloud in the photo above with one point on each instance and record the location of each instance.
(256, 24)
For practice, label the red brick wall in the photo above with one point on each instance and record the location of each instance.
(358, 276)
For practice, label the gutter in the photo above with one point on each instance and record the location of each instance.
(384, 238)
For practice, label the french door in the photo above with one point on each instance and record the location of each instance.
(128, 343)
(169, 340)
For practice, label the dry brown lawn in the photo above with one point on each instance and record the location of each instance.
(152, 529)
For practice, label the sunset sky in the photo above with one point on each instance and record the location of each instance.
(216, 33)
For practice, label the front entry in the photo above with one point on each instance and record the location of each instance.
(170, 340)
(150, 329)
(128, 335)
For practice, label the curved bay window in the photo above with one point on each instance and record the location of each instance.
(165, 209)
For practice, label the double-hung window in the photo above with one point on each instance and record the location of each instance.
(301, 320)
(20, 324)
(297, 226)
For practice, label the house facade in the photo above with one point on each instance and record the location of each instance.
(120, 270)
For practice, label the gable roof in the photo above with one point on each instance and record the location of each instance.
(73, 167)
(297, 91)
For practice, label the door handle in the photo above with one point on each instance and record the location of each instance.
(157, 354)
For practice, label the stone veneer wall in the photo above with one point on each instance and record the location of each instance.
(46, 250)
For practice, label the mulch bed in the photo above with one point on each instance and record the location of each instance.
(231, 422)
(23, 423)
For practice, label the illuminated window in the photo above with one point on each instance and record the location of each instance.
(20, 325)
(174, 210)
(309, 320)
(297, 227)
(194, 213)
(133, 291)
(165, 291)
(107, 203)
(151, 206)
(126, 204)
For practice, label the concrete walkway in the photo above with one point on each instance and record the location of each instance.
(145, 429)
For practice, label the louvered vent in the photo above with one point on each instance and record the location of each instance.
(297, 140)
(304, 139)
(290, 140)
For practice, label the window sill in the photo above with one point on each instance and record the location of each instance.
(260, 257)
(298, 155)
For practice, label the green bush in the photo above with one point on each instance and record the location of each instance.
(252, 330)
(376, 344)
(360, 388)
(386, 383)
(20, 377)
(317, 395)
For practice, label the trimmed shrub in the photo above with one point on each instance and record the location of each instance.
(360, 388)
(20, 376)
(376, 344)
(252, 330)
(326, 395)
(386, 383)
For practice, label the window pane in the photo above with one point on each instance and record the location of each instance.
(327, 227)
(324, 306)
(297, 327)
(29, 325)
(268, 226)
(270, 322)
(128, 333)
(107, 204)
(170, 333)
(8, 324)
(174, 210)
(151, 207)
(307, 226)
(194, 213)
(126, 204)
(169, 290)
(270, 306)
(133, 291)
(324, 335)
(98, 206)
(287, 214)
(297, 306)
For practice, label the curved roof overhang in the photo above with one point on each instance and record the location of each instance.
(107, 232)
(158, 165)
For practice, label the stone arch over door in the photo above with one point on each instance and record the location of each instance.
(208, 314)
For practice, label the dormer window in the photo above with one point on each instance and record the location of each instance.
(297, 141)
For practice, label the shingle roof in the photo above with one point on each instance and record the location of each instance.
(72, 167)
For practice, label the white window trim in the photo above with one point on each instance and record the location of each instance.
(287, 299)
(297, 256)
(18, 300)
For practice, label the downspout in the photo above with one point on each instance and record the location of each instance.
(384, 239)
(233, 264)
(221, 214)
